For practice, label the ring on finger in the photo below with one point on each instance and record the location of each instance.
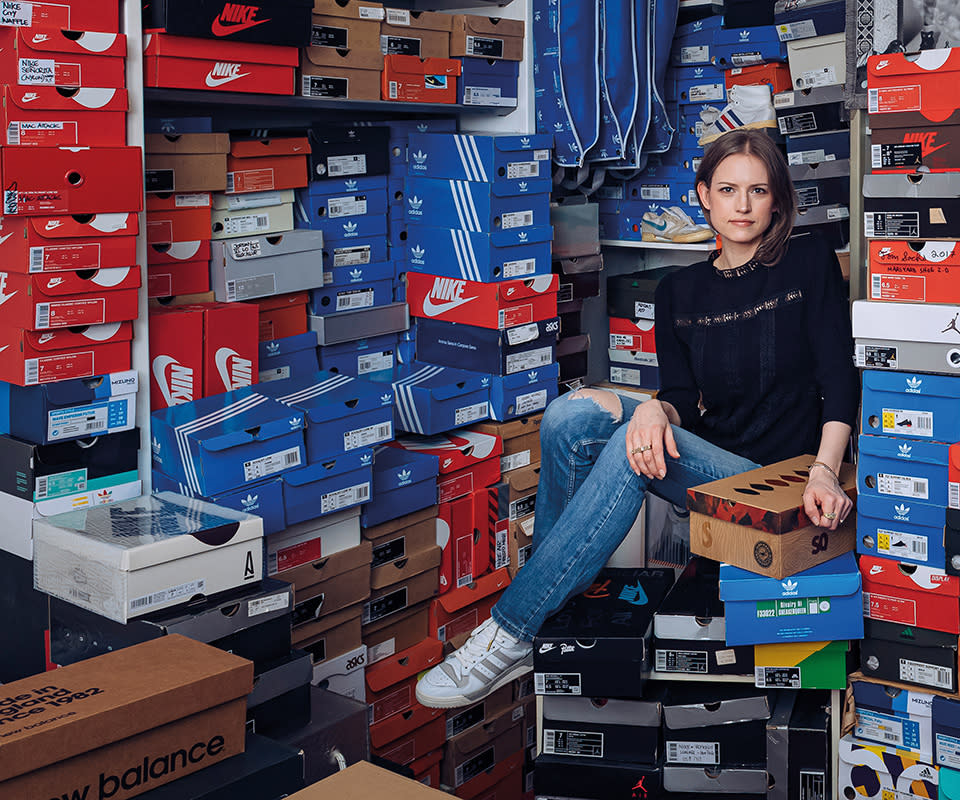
(641, 449)
(829, 515)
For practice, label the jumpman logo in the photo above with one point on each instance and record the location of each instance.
(953, 325)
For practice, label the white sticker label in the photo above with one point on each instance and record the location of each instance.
(346, 206)
(706, 92)
(522, 334)
(523, 169)
(486, 96)
(268, 465)
(726, 658)
(894, 544)
(248, 223)
(236, 202)
(368, 12)
(15, 14)
(584, 744)
(245, 248)
(516, 219)
(807, 157)
(541, 155)
(264, 605)
(347, 165)
(502, 550)
(397, 16)
(841, 212)
(655, 191)
(38, 72)
(948, 751)
(342, 498)
(368, 436)
(515, 460)
(278, 374)
(200, 200)
(531, 359)
(907, 422)
(354, 298)
(879, 728)
(533, 401)
(77, 421)
(174, 593)
(695, 55)
(514, 269)
(374, 362)
(824, 76)
(802, 29)
(351, 256)
(630, 377)
(643, 310)
(926, 674)
(693, 752)
(903, 486)
(467, 414)
(783, 100)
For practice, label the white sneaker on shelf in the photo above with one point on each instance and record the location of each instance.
(749, 107)
(672, 225)
(490, 658)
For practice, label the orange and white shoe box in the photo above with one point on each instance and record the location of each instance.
(54, 57)
(54, 244)
(50, 117)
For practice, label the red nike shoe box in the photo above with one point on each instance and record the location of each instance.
(69, 299)
(396, 712)
(628, 334)
(54, 57)
(914, 140)
(926, 83)
(776, 75)
(909, 594)
(412, 79)
(469, 459)
(398, 667)
(170, 201)
(914, 272)
(178, 225)
(71, 15)
(28, 358)
(264, 165)
(463, 533)
(185, 277)
(278, 22)
(48, 117)
(80, 180)
(53, 244)
(461, 610)
(282, 315)
(181, 62)
(487, 305)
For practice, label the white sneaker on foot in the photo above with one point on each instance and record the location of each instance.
(749, 107)
(490, 658)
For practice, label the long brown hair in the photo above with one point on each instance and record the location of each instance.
(756, 143)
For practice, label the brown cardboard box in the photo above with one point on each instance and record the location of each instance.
(414, 745)
(350, 74)
(520, 545)
(191, 162)
(415, 33)
(331, 635)
(521, 440)
(391, 543)
(352, 26)
(522, 501)
(397, 597)
(396, 632)
(362, 781)
(404, 568)
(487, 37)
(473, 766)
(330, 584)
(421, 517)
(88, 729)
(461, 720)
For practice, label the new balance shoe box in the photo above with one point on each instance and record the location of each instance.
(425, 34)
(909, 406)
(689, 628)
(908, 531)
(190, 162)
(285, 23)
(462, 609)
(343, 675)
(404, 481)
(916, 338)
(282, 316)
(339, 153)
(902, 470)
(890, 716)
(872, 770)
(613, 662)
(476, 207)
(769, 533)
(412, 79)
(362, 357)
(946, 727)
(521, 440)
(580, 729)
(74, 409)
(74, 59)
(747, 46)
(910, 595)
(121, 566)
(799, 752)
(818, 61)
(822, 184)
(523, 393)
(819, 603)
(181, 62)
(816, 148)
(327, 486)
(715, 726)
(816, 110)
(922, 206)
(488, 82)
(162, 696)
(178, 268)
(46, 117)
(252, 622)
(290, 357)
(231, 219)
(917, 656)
(917, 272)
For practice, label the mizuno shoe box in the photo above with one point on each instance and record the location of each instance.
(123, 565)
(404, 481)
(488, 82)
(290, 357)
(357, 215)
(903, 470)
(280, 23)
(908, 654)
(946, 731)
(891, 716)
(919, 272)
(617, 610)
(44, 117)
(580, 729)
(482, 257)
(923, 206)
(74, 409)
(488, 158)
(823, 601)
(910, 406)
(363, 357)
(327, 486)
(911, 531)
(478, 349)
(476, 207)
(523, 393)
(910, 595)
(872, 770)
(747, 46)
(338, 153)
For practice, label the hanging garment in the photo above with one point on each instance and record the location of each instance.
(663, 24)
(619, 79)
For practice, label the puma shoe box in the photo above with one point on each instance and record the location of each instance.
(799, 753)
(689, 628)
(875, 765)
(404, 481)
(618, 611)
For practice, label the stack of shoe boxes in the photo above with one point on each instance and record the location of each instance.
(416, 57)
(343, 58)
(490, 50)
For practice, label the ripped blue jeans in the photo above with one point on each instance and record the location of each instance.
(588, 499)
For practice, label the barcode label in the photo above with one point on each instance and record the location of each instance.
(347, 206)
(351, 256)
(43, 315)
(166, 596)
(557, 683)
(231, 291)
(873, 101)
(655, 192)
(346, 165)
(953, 494)
(502, 550)
(268, 465)
(907, 422)
(374, 362)
(264, 605)
(523, 169)
(471, 413)
(876, 157)
(586, 744)
(393, 92)
(903, 486)
(247, 223)
(13, 133)
(343, 498)
(397, 16)
(514, 269)
(36, 259)
(517, 219)
(31, 371)
(693, 752)
(813, 785)
(777, 677)
(354, 298)
(894, 544)
(368, 436)
(530, 402)
(926, 674)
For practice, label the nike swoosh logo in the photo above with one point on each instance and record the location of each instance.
(219, 29)
(223, 354)
(432, 309)
(659, 226)
(934, 149)
(4, 238)
(213, 83)
(160, 364)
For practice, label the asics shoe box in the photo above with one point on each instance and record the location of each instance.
(910, 406)
(581, 729)
(349, 326)
(872, 770)
(289, 357)
(227, 441)
(903, 470)
(462, 609)
(799, 752)
(343, 675)
(252, 622)
(284, 23)
(561, 777)
(917, 337)
(816, 110)
(349, 152)
(358, 214)
(746, 46)
(924, 206)
(404, 481)
(72, 409)
(245, 269)
(907, 531)
(370, 292)
(523, 393)
(475, 207)
(506, 352)
(818, 61)
(918, 272)
(145, 554)
(263, 499)
(487, 158)
(911, 655)
(892, 716)
(806, 18)
(821, 184)
(616, 614)
(328, 485)
(488, 82)
(689, 628)
(361, 358)
(946, 731)
(816, 148)
(343, 413)
(910, 595)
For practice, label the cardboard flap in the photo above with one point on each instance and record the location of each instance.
(60, 98)
(280, 146)
(524, 479)
(78, 337)
(484, 586)
(495, 27)
(413, 564)
(187, 143)
(903, 450)
(85, 225)
(74, 42)
(909, 576)
(327, 468)
(404, 664)
(835, 578)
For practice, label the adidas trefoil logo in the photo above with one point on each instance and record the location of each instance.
(419, 159)
(404, 475)
(423, 127)
(416, 206)
(250, 502)
(789, 586)
(913, 385)
(698, 72)
(524, 141)
(366, 458)
(356, 274)
(416, 254)
(350, 228)
(698, 25)
(558, 126)
(532, 376)
(386, 399)
(901, 512)
(155, 444)
(296, 422)
(522, 186)
(744, 35)
(905, 450)
(273, 348)
(484, 381)
(522, 236)
(350, 185)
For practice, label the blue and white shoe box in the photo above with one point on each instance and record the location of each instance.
(488, 82)
(913, 406)
(289, 357)
(404, 481)
(746, 46)
(524, 393)
(483, 257)
(483, 157)
(906, 530)
(903, 469)
(327, 486)
(363, 286)
(476, 207)
(362, 357)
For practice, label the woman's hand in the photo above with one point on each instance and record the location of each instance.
(825, 503)
(648, 435)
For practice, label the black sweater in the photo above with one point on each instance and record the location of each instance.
(767, 351)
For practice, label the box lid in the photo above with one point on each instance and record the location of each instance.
(920, 185)
(692, 609)
(475, 25)
(602, 711)
(394, 467)
(946, 712)
(139, 688)
(247, 200)
(83, 390)
(484, 586)
(287, 345)
(696, 707)
(512, 428)
(404, 664)
(276, 146)
(325, 396)
(837, 577)
(253, 248)
(363, 780)
(329, 467)
(892, 698)
(184, 143)
(913, 322)
(456, 450)
(909, 450)
(912, 577)
(894, 510)
(147, 530)
(909, 383)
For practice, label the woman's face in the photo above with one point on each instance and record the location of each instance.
(738, 199)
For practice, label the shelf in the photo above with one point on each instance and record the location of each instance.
(686, 676)
(699, 247)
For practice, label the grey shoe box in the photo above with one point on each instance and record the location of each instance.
(263, 266)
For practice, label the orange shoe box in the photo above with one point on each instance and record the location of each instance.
(178, 225)
(52, 244)
(461, 610)
(926, 83)
(775, 75)
(282, 315)
(265, 165)
(915, 272)
(48, 117)
(420, 80)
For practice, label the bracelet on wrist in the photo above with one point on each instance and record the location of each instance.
(827, 467)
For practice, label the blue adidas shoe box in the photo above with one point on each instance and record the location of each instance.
(744, 47)
(289, 357)
(690, 128)
(395, 196)
(353, 252)
(403, 128)
(397, 233)
(693, 42)
(361, 358)
(407, 344)
(343, 413)
(362, 273)
(328, 486)
(823, 603)
(903, 469)
(483, 257)
(356, 215)
(908, 531)
(264, 499)
(477, 207)
(362, 184)
(816, 148)
(497, 352)
(912, 406)
(698, 86)
(431, 399)
(488, 158)
(404, 481)
(72, 409)
(803, 19)
(350, 297)
(227, 441)
(524, 393)
(488, 82)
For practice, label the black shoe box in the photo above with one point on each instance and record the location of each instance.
(584, 729)
(25, 614)
(280, 700)
(798, 746)
(346, 152)
(631, 296)
(556, 777)
(278, 22)
(907, 654)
